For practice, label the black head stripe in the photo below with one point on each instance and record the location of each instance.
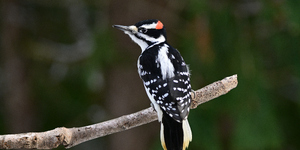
(150, 21)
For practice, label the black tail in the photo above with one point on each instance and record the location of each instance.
(171, 133)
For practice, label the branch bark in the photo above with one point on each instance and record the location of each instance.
(69, 137)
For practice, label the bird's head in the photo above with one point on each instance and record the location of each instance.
(145, 33)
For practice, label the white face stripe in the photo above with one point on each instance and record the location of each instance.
(149, 26)
(166, 66)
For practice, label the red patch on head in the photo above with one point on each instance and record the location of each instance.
(159, 25)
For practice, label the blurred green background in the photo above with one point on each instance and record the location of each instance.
(62, 64)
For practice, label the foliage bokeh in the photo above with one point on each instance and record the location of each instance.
(66, 54)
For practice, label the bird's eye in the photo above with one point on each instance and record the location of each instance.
(143, 30)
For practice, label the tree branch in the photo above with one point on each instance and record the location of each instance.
(70, 137)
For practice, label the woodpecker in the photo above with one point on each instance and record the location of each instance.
(166, 80)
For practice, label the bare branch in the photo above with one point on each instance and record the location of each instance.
(70, 137)
(213, 90)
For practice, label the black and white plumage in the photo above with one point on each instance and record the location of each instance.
(166, 80)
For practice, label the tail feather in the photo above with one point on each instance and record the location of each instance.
(187, 134)
(174, 135)
(162, 137)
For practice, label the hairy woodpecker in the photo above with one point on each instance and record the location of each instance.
(166, 80)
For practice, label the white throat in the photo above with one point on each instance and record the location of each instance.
(138, 41)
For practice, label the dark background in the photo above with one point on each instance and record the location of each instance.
(62, 64)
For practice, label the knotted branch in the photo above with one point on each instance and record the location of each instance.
(70, 137)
